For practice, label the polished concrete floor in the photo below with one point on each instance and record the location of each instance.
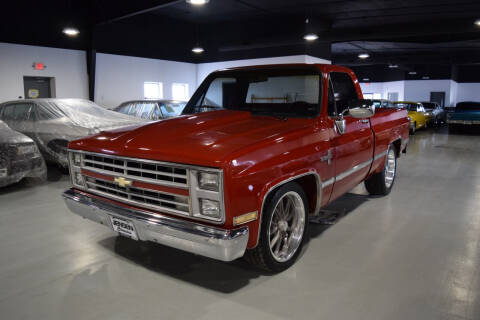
(412, 255)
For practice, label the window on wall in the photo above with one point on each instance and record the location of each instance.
(368, 96)
(180, 91)
(377, 96)
(153, 90)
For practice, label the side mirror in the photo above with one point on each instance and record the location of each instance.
(341, 125)
(361, 108)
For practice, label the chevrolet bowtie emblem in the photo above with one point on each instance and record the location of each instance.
(122, 182)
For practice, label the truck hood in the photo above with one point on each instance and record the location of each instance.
(207, 139)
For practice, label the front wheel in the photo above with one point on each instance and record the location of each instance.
(283, 229)
(413, 129)
(381, 183)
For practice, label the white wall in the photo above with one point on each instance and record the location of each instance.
(67, 66)
(204, 69)
(121, 78)
(468, 92)
(419, 90)
(383, 88)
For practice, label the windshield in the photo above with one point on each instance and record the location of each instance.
(474, 106)
(428, 105)
(408, 106)
(289, 93)
(172, 109)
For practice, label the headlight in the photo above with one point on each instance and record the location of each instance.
(208, 181)
(75, 161)
(409, 119)
(3, 168)
(210, 208)
(206, 194)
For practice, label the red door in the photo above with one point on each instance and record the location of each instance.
(353, 150)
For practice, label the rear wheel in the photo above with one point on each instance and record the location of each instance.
(283, 229)
(382, 183)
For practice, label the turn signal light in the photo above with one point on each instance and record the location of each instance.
(244, 218)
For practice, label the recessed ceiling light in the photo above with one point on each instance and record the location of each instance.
(477, 22)
(393, 66)
(366, 79)
(197, 50)
(71, 32)
(412, 72)
(198, 2)
(364, 56)
(425, 77)
(310, 37)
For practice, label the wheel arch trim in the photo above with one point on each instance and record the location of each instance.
(286, 180)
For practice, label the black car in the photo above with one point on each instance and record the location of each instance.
(19, 157)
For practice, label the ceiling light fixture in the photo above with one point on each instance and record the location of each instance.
(197, 2)
(425, 77)
(71, 32)
(412, 72)
(391, 66)
(364, 56)
(477, 22)
(198, 50)
(310, 37)
(366, 79)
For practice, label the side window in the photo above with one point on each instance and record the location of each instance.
(343, 90)
(332, 111)
(18, 112)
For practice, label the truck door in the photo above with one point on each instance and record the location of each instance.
(353, 150)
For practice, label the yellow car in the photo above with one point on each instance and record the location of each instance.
(417, 115)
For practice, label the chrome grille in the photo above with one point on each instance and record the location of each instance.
(144, 197)
(142, 170)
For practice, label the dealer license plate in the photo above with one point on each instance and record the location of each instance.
(124, 227)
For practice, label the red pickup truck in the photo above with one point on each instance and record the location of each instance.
(257, 151)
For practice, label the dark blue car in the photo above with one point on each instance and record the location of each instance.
(467, 114)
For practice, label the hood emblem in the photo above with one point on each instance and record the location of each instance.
(122, 182)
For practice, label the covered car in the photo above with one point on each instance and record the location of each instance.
(19, 157)
(466, 114)
(152, 109)
(53, 123)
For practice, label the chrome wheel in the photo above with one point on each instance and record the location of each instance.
(390, 168)
(286, 226)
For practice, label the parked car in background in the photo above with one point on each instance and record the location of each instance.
(382, 103)
(467, 114)
(243, 177)
(53, 123)
(435, 111)
(416, 114)
(19, 157)
(152, 109)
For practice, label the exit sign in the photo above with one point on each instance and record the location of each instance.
(39, 66)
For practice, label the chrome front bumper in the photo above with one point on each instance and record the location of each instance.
(212, 242)
(464, 122)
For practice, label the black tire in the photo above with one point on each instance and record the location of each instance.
(452, 128)
(262, 256)
(377, 184)
(414, 129)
